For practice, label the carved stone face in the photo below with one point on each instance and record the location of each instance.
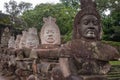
(32, 41)
(89, 27)
(49, 35)
(23, 39)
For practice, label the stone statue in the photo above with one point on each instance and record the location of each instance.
(47, 53)
(50, 33)
(5, 37)
(17, 41)
(86, 56)
(11, 42)
(50, 38)
(32, 40)
(23, 39)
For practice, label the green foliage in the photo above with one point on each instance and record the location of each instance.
(111, 26)
(111, 23)
(15, 10)
(113, 43)
(64, 16)
(67, 37)
(74, 4)
(65, 12)
(115, 62)
(4, 19)
(104, 5)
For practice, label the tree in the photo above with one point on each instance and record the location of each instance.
(111, 22)
(63, 14)
(71, 3)
(15, 10)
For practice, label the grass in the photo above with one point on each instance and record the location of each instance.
(115, 62)
(112, 43)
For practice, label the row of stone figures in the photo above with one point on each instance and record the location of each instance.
(49, 34)
(85, 57)
(21, 58)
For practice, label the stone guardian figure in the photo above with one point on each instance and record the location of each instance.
(85, 57)
(50, 33)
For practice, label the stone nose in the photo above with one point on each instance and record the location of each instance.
(91, 25)
(50, 35)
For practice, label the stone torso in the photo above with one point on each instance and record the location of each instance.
(90, 57)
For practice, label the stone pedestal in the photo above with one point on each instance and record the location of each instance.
(44, 53)
(94, 77)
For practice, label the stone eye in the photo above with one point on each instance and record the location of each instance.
(95, 22)
(85, 22)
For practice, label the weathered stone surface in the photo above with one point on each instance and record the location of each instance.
(23, 39)
(44, 53)
(95, 77)
(86, 54)
(57, 74)
(11, 42)
(50, 33)
(47, 52)
(5, 37)
(32, 40)
(17, 41)
(3, 78)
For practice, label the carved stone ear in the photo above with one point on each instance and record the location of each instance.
(45, 19)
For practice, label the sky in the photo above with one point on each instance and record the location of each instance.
(34, 2)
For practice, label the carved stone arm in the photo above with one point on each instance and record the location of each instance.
(64, 65)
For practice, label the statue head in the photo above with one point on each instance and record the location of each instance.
(23, 39)
(6, 29)
(87, 22)
(32, 40)
(32, 31)
(50, 33)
